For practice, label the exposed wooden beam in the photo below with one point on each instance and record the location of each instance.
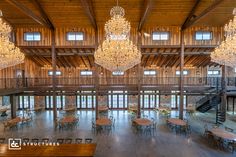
(43, 13)
(191, 14)
(174, 62)
(146, 11)
(61, 47)
(145, 64)
(178, 46)
(202, 14)
(28, 12)
(170, 60)
(175, 53)
(88, 8)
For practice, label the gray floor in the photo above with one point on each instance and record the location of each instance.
(123, 142)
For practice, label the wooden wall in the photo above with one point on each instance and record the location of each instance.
(89, 36)
(45, 37)
(189, 35)
(31, 70)
(131, 73)
(217, 36)
(174, 36)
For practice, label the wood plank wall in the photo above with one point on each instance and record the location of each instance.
(103, 73)
(217, 36)
(61, 40)
(174, 35)
(217, 33)
(31, 70)
(45, 37)
(89, 36)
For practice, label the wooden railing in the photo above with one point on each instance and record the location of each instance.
(10, 83)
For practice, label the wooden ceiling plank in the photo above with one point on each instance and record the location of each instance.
(146, 11)
(174, 62)
(169, 60)
(88, 8)
(43, 13)
(35, 61)
(145, 63)
(204, 13)
(28, 12)
(191, 14)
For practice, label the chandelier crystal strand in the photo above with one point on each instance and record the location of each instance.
(10, 55)
(117, 52)
(225, 53)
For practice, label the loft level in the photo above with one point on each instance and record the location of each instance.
(40, 86)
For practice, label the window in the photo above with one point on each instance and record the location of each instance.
(213, 72)
(32, 36)
(203, 35)
(86, 73)
(149, 72)
(75, 36)
(185, 72)
(160, 36)
(118, 73)
(50, 73)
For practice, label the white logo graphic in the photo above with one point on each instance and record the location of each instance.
(14, 144)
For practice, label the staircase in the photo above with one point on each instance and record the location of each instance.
(207, 103)
(220, 115)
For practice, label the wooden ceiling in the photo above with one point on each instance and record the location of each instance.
(141, 13)
(159, 12)
(72, 57)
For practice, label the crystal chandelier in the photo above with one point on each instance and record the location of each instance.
(117, 52)
(117, 55)
(117, 28)
(10, 55)
(225, 53)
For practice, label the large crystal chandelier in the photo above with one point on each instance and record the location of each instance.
(117, 28)
(225, 53)
(117, 52)
(10, 55)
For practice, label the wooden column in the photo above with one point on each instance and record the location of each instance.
(54, 60)
(96, 77)
(223, 95)
(139, 76)
(233, 105)
(139, 88)
(13, 101)
(181, 79)
(96, 82)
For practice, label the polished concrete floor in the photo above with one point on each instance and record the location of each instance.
(123, 142)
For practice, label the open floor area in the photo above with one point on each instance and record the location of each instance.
(123, 140)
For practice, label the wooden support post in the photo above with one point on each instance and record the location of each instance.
(233, 105)
(223, 94)
(181, 83)
(139, 88)
(54, 60)
(139, 77)
(13, 101)
(96, 81)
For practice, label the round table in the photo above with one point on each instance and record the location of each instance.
(102, 108)
(177, 121)
(68, 120)
(224, 134)
(103, 122)
(143, 121)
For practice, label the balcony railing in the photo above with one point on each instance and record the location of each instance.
(10, 83)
